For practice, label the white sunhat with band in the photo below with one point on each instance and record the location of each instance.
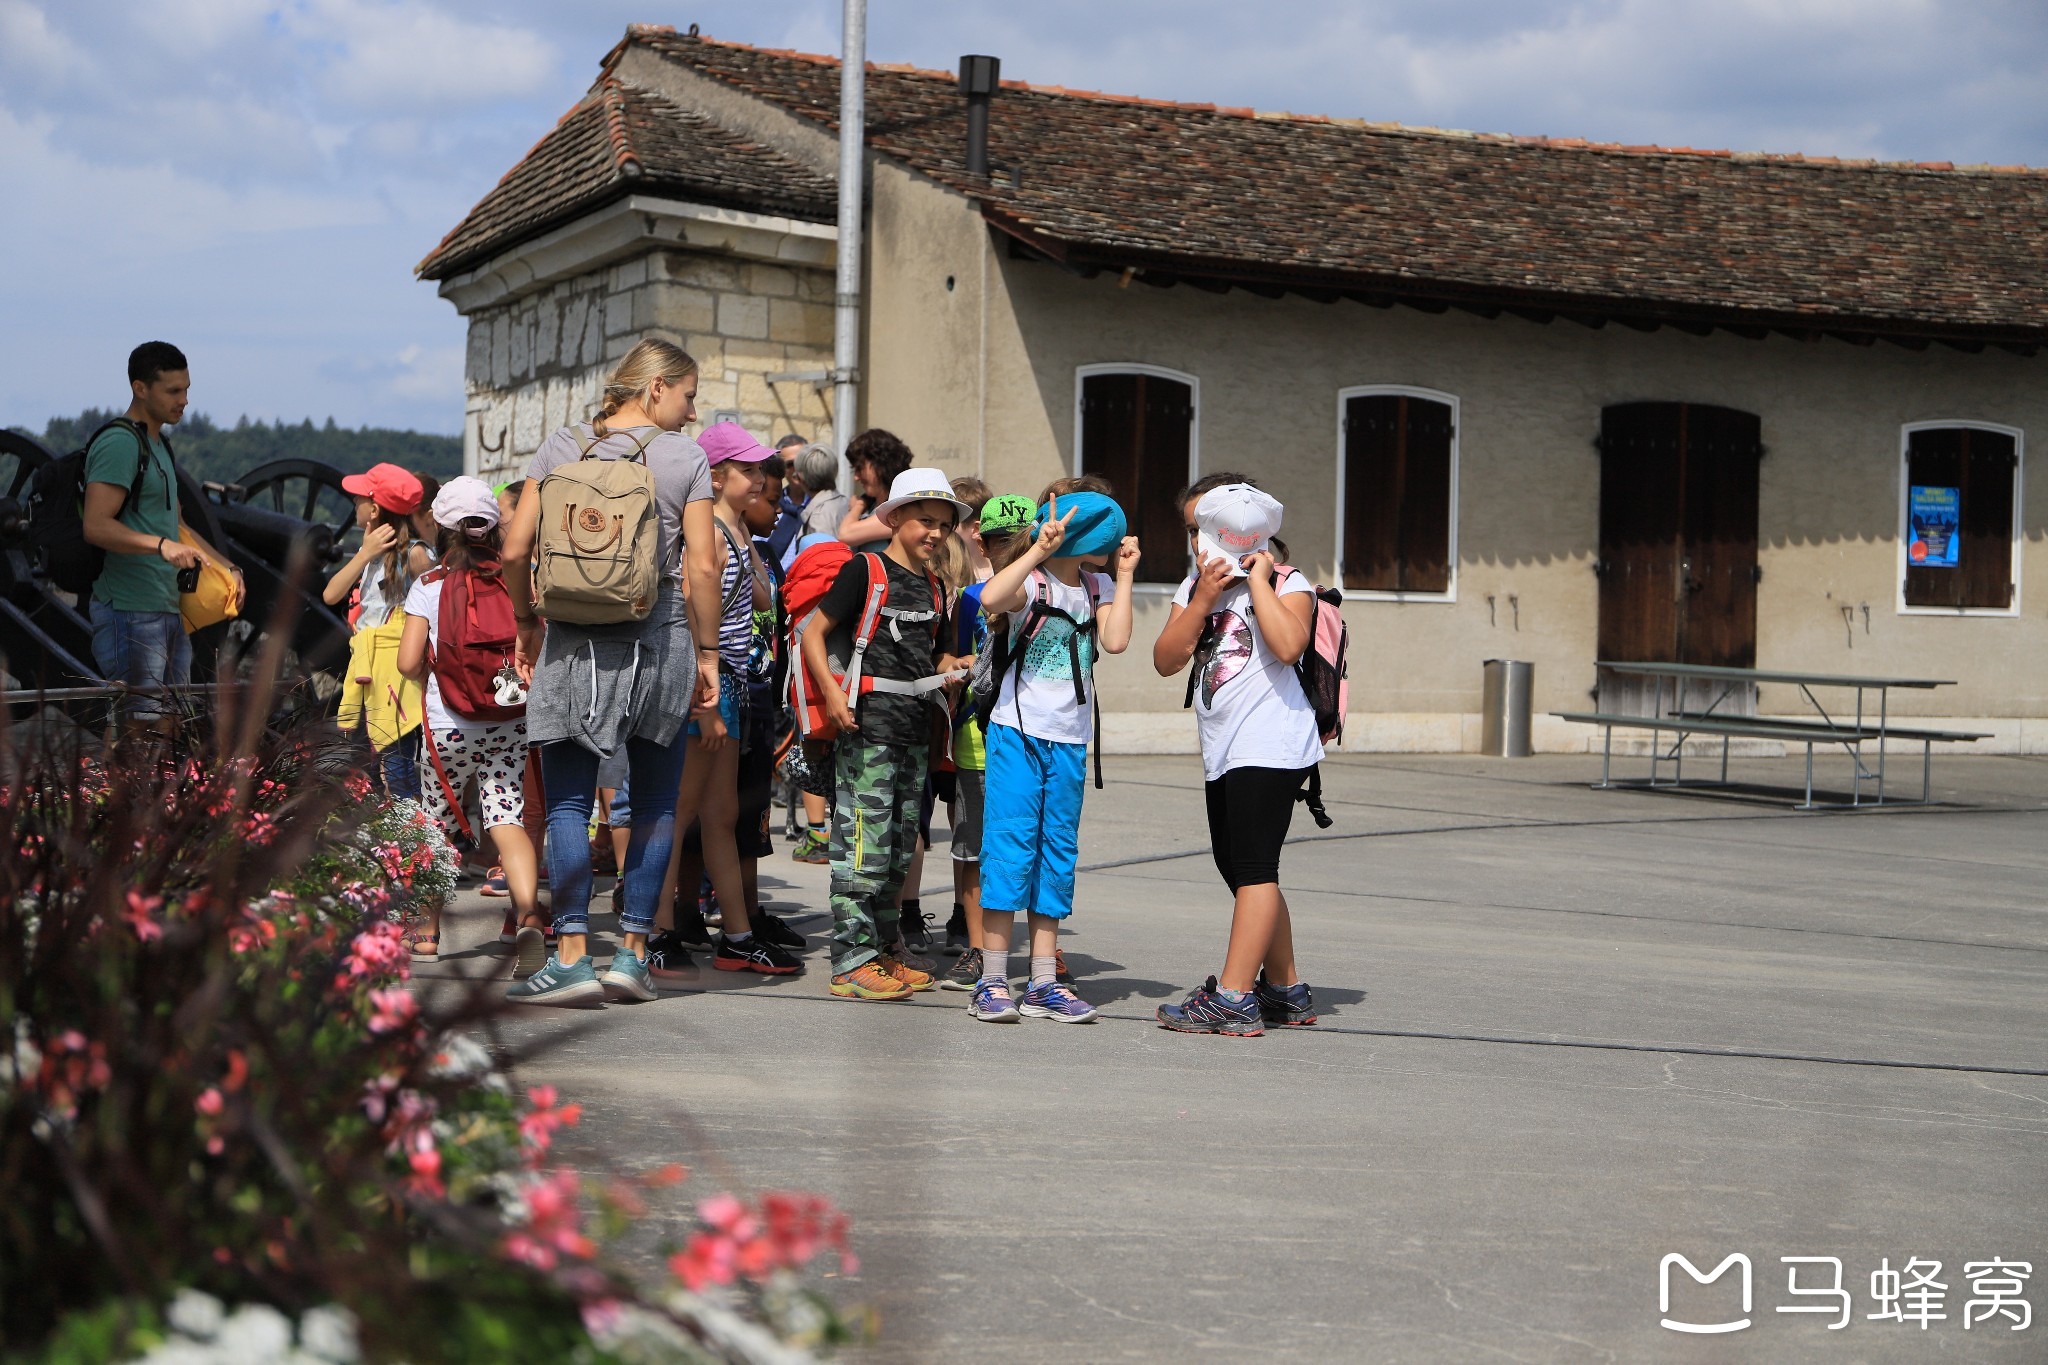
(1234, 521)
(920, 485)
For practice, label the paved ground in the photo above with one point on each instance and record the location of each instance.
(1565, 1033)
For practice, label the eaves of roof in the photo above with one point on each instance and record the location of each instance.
(617, 141)
(1328, 207)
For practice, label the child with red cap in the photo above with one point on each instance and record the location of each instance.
(375, 581)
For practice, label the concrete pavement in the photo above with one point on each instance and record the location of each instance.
(1565, 1033)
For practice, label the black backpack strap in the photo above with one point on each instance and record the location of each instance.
(141, 435)
(1312, 797)
(741, 582)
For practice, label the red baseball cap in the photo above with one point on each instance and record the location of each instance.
(392, 488)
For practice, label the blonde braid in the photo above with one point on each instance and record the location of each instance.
(649, 360)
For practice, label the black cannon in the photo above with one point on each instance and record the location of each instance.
(283, 525)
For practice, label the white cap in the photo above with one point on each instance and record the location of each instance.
(920, 485)
(1234, 521)
(462, 498)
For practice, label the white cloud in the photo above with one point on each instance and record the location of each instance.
(418, 56)
(30, 46)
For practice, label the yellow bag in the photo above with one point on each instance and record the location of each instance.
(216, 599)
(375, 695)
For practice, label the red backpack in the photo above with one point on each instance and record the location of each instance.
(474, 642)
(811, 575)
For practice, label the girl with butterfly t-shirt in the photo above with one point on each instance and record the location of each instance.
(1244, 626)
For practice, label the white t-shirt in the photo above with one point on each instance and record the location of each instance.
(1250, 707)
(424, 599)
(1039, 698)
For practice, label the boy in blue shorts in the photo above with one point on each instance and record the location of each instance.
(1038, 740)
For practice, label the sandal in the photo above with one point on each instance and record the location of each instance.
(495, 884)
(426, 946)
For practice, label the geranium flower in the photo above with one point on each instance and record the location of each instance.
(141, 914)
(392, 1009)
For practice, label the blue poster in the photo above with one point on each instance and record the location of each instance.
(1934, 518)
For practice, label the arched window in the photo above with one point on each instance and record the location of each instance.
(1397, 491)
(1959, 525)
(1138, 426)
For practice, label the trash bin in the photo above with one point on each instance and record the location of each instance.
(1504, 730)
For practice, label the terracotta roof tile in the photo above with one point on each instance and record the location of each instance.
(1922, 249)
(619, 140)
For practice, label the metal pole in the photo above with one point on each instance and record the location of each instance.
(853, 66)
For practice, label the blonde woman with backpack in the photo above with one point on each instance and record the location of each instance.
(617, 598)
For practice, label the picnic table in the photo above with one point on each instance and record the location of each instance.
(1682, 721)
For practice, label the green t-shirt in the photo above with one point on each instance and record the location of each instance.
(141, 582)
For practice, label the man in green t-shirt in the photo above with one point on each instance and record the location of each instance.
(138, 637)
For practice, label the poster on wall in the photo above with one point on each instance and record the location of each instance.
(1934, 516)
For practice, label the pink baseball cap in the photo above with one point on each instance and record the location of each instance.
(724, 441)
(391, 488)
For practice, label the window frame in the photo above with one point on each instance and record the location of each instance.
(1344, 397)
(1082, 373)
(2019, 485)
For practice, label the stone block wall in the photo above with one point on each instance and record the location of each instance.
(538, 361)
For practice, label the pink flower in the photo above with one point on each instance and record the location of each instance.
(209, 1102)
(708, 1258)
(554, 1221)
(392, 1009)
(141, 916)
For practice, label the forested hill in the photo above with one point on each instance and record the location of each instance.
(209, 451)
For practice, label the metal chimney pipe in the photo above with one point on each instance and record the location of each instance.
(853, 70)
(980, 77)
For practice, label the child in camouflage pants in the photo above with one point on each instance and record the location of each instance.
(884, 744)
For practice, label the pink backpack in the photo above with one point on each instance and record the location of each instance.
(1324, 668)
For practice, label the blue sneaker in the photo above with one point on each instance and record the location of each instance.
(629, 978)
(555, 984)
(1206, 1011)
(1285, 1006)
(1055, 1002)
(991, 1003)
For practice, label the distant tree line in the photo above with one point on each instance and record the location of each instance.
(209, 451)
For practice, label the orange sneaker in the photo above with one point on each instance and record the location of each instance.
(869, 982)
(910, 976)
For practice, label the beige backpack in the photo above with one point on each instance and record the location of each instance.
(598, 562)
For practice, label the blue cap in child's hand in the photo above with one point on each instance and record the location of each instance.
(1097, 528)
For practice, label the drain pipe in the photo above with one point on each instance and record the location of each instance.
(853, 70)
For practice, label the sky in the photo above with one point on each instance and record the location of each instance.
(255, 179)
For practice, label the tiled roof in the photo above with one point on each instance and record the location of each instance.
(1383, 212)
(621, 140)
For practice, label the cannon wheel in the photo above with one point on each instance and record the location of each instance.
(307, 489)
(20, 458)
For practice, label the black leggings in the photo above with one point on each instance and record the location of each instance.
(1249, 811)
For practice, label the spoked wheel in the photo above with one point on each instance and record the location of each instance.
(20, 458)
(307, 489)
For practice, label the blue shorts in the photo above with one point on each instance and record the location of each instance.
(147, 650)
(730, 693)
(1031, 822)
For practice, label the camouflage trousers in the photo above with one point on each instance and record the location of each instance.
(877, 791)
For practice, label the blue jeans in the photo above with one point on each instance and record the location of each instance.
(1031, 822)
(147, 650)
(402, 766)
(569, 773)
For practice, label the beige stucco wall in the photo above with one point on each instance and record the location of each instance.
(537, 361)
(986, 382)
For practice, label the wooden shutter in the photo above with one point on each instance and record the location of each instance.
(1137, 432)
(1641, 502)
(1720, 456)
(1397, 493)
(1982, 465)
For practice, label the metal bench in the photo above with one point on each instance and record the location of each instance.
(1823, 729)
